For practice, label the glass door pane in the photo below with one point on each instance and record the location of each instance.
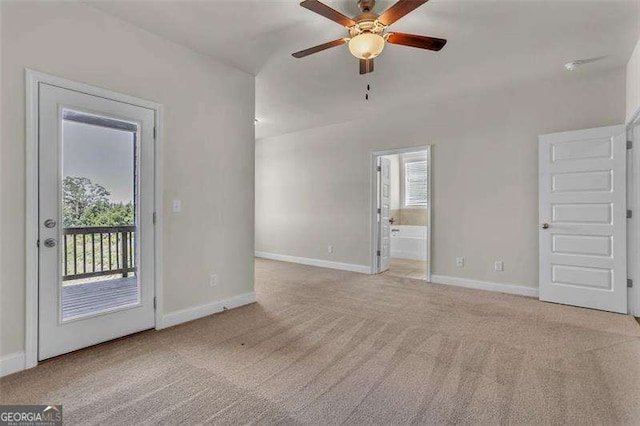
(99, 210)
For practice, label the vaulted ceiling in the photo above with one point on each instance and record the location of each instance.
(490, 43)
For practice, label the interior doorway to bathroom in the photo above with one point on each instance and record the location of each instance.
(401, 213)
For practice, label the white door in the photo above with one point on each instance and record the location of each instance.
(96, 237)
(384, 241)
(583, 218)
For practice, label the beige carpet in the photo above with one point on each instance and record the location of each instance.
(331, 347)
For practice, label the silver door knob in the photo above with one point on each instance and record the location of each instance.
(49, 242)
(50, 223)
(544, 226)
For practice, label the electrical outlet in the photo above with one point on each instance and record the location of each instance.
(213, 280)
(330, 248)
(177, 206)
(460, 262)
(498, 266)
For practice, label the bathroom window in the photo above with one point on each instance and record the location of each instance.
(415, 183)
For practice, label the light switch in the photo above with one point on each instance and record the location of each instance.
(177, 206)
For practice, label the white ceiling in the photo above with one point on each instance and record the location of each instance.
(491, 43)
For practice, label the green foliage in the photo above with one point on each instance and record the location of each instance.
(87, 204)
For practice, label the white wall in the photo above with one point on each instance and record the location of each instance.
(633, 83)
(208, 146)
(313, 187)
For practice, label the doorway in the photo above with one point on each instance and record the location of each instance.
(401, 213)
(94, 207)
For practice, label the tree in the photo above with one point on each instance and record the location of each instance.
(113, 214)
(87, 204)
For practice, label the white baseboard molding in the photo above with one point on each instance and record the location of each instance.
(362, 269)
(486, 285)
(190, 314)
(11, 363)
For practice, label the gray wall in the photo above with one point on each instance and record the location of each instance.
(313, 187)
(208, 146)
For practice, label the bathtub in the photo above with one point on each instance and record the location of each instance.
(409, 242)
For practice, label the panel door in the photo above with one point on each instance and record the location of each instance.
(582, 202)
(385, 214)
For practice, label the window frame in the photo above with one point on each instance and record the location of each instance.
(404, 160)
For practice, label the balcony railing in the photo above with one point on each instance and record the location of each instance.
(95, 251)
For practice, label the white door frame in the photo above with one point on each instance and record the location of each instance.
(373, 218)
(633, 233)
(32, 80)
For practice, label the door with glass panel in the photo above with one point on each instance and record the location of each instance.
(96, 236)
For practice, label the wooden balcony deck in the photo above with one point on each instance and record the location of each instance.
(82, 299)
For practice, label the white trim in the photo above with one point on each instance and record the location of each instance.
(32, 80)
(486, 285)
(190, 314)
(373, 215)
(633, 233)
(31, 217)
(361, 269)
(12, 363)
(429, 210)
(634, 119)
(373, 222)
(159, 190)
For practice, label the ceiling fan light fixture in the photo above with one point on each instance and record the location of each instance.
(366, 45)
(367, 31)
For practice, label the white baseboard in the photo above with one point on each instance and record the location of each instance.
(15, 362)
(11, 363)
(190, 314)
(486, 285)
(362, 269)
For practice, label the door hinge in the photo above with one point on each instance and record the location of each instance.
(629, 282)
(629, 214)
(154, 132)
(379, 168)
(38, 243)
(154, 303)
(154, 217)
(629, 144)
(378, 253)
(379, 211)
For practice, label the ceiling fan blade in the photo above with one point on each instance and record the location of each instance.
(319, 48)
(327, 12)
(398, 10)
(421, 42)
(366, 66)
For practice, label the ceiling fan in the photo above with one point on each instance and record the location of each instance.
(367, 36)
